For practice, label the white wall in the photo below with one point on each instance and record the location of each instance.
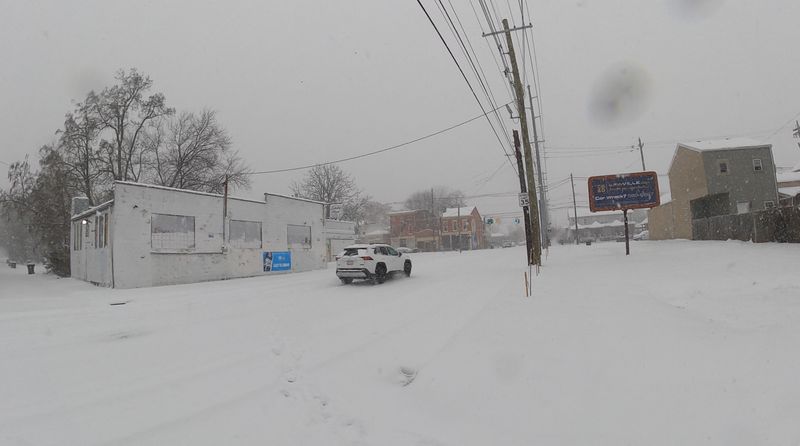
(137, 264)
(338, 234)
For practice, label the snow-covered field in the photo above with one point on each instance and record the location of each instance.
(680, 343)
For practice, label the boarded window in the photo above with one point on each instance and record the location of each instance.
(723, 167)
(171, 232)
(245, 234)
(298, 235)
(757, 166)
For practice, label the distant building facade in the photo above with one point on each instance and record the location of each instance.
(789, 186)
(151, 235)
(462, 228)
(730, 176)
(606, 226)
(420, 229)
(414, 229)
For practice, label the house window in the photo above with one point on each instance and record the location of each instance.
(76, 235)
(742, 207)
(101, 233)
(105, 232)
(245, 234)
(172, 232)
(723, 167)
(769, 204)
(465, 225)
(757, 166)
(298, 235)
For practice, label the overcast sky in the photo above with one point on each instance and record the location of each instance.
(302, 82)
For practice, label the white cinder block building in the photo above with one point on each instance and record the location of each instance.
(151, 235)
(338, 235)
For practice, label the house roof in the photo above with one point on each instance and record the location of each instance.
(92, 210)
(789, 191)
(723, 144)
(454, 212)
(786, 177)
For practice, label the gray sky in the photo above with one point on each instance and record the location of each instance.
(303, 82)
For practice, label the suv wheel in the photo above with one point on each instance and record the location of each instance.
(407, 269)
(380, 273)
(347, 280)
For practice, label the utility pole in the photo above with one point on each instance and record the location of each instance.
(536, 255)
(641, 152)
(574, 209)
(543, 217)
(523, 189)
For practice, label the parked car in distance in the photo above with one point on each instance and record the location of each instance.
(373, 262)
(406, 250)
(644, 235)
(508, 244)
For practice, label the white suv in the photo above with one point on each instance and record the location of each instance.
(372, 262)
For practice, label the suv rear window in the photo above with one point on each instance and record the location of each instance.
(354, 252)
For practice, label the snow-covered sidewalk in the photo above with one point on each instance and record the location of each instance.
(680, 343)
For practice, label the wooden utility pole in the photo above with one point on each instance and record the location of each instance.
(536, 255)
(574, 209)
(543, 217)
(523, 189)
(641, 152)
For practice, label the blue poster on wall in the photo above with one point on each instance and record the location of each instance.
(276, 261)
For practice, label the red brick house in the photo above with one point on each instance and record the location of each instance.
(464, 225)
(414, 229)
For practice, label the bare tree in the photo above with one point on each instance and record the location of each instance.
(193, 152)
(435, 199)
(330, 184)
(125, 111)
(78, 147)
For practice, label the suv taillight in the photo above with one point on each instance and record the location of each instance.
(366, 258)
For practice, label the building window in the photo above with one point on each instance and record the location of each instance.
(171, 232)
(742, 207)
(757, 166)
(105, 232)
(465, 225)
(245, 234)
(769, 204)
(723, 167)
(101, 233)
(298, 235)
(76, 235)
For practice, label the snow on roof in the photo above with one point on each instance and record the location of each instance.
(723, 144)
(786, 177)
(92, 210)
(598, 225)
(454, 212)
(377, 232)
(790, 191)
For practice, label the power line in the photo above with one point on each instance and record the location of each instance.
(375, 152)
(441, 37)
(487, 89)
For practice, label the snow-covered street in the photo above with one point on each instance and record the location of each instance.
(680, 343)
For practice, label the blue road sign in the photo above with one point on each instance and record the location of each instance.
(623, 191)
